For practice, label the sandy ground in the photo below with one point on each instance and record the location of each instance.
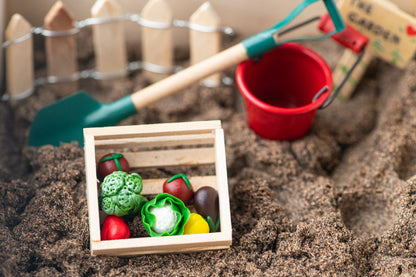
(339, 201)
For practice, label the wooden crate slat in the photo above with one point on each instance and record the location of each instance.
(109, 42)
(165, 158)
(155, 186)
(61, 51)
(163, 249)
(19, 57)
(161, 129)
(173, 140)
(205, 44)
(157, 44)
(151, 245)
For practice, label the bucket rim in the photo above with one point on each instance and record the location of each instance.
(288, 111)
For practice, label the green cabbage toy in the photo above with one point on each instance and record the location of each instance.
(120, 194)
(165, 215)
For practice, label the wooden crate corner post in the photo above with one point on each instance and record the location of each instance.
(109, 40)
(91, 191)
(19, 58)
(204, 44)
(157, 43)
(222, 181)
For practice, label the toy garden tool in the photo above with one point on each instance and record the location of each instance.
(391, 33)
(64, 120)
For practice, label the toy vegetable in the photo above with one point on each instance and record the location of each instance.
(110, 163)
(114, 227)
(206, 204)
(180, 187)
(196, 225)
(165, 215)
(120, 194)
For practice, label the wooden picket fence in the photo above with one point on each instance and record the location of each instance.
(107, 19)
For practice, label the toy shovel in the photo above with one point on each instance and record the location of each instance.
(64, 120)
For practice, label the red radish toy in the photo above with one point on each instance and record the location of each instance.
(110, 163)
(114, 227)
(180, 187)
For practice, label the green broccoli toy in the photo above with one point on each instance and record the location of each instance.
(120, 194)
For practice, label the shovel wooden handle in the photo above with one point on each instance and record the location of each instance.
(223, 60)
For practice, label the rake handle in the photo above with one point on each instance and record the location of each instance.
(174, 83)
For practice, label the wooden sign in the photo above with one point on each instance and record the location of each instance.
(391, 31)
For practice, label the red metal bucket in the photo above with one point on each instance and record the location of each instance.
(280, 88)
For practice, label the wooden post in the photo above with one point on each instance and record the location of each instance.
(109, 42)
(2, 21)
(205, 44)
(19, 58)
(157, 44)
(344, 65)
(61, 51)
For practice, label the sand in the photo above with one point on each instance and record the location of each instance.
(339, 201)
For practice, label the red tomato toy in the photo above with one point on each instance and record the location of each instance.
(180, 187)
(110, 163)
(114, 227)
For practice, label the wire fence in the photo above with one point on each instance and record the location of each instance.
(130, 66)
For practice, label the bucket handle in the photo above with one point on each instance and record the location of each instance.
(269, 39)
(347, 76)
(357, 40)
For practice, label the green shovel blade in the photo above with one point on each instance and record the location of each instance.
(64, 120)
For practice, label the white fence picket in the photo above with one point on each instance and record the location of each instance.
(61, 51)
(205, 44)
(19, 58)
(157, 44)
(109, 41)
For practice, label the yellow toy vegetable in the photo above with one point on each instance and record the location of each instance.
(196, 225)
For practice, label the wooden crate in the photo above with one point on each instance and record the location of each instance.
(154, 146)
